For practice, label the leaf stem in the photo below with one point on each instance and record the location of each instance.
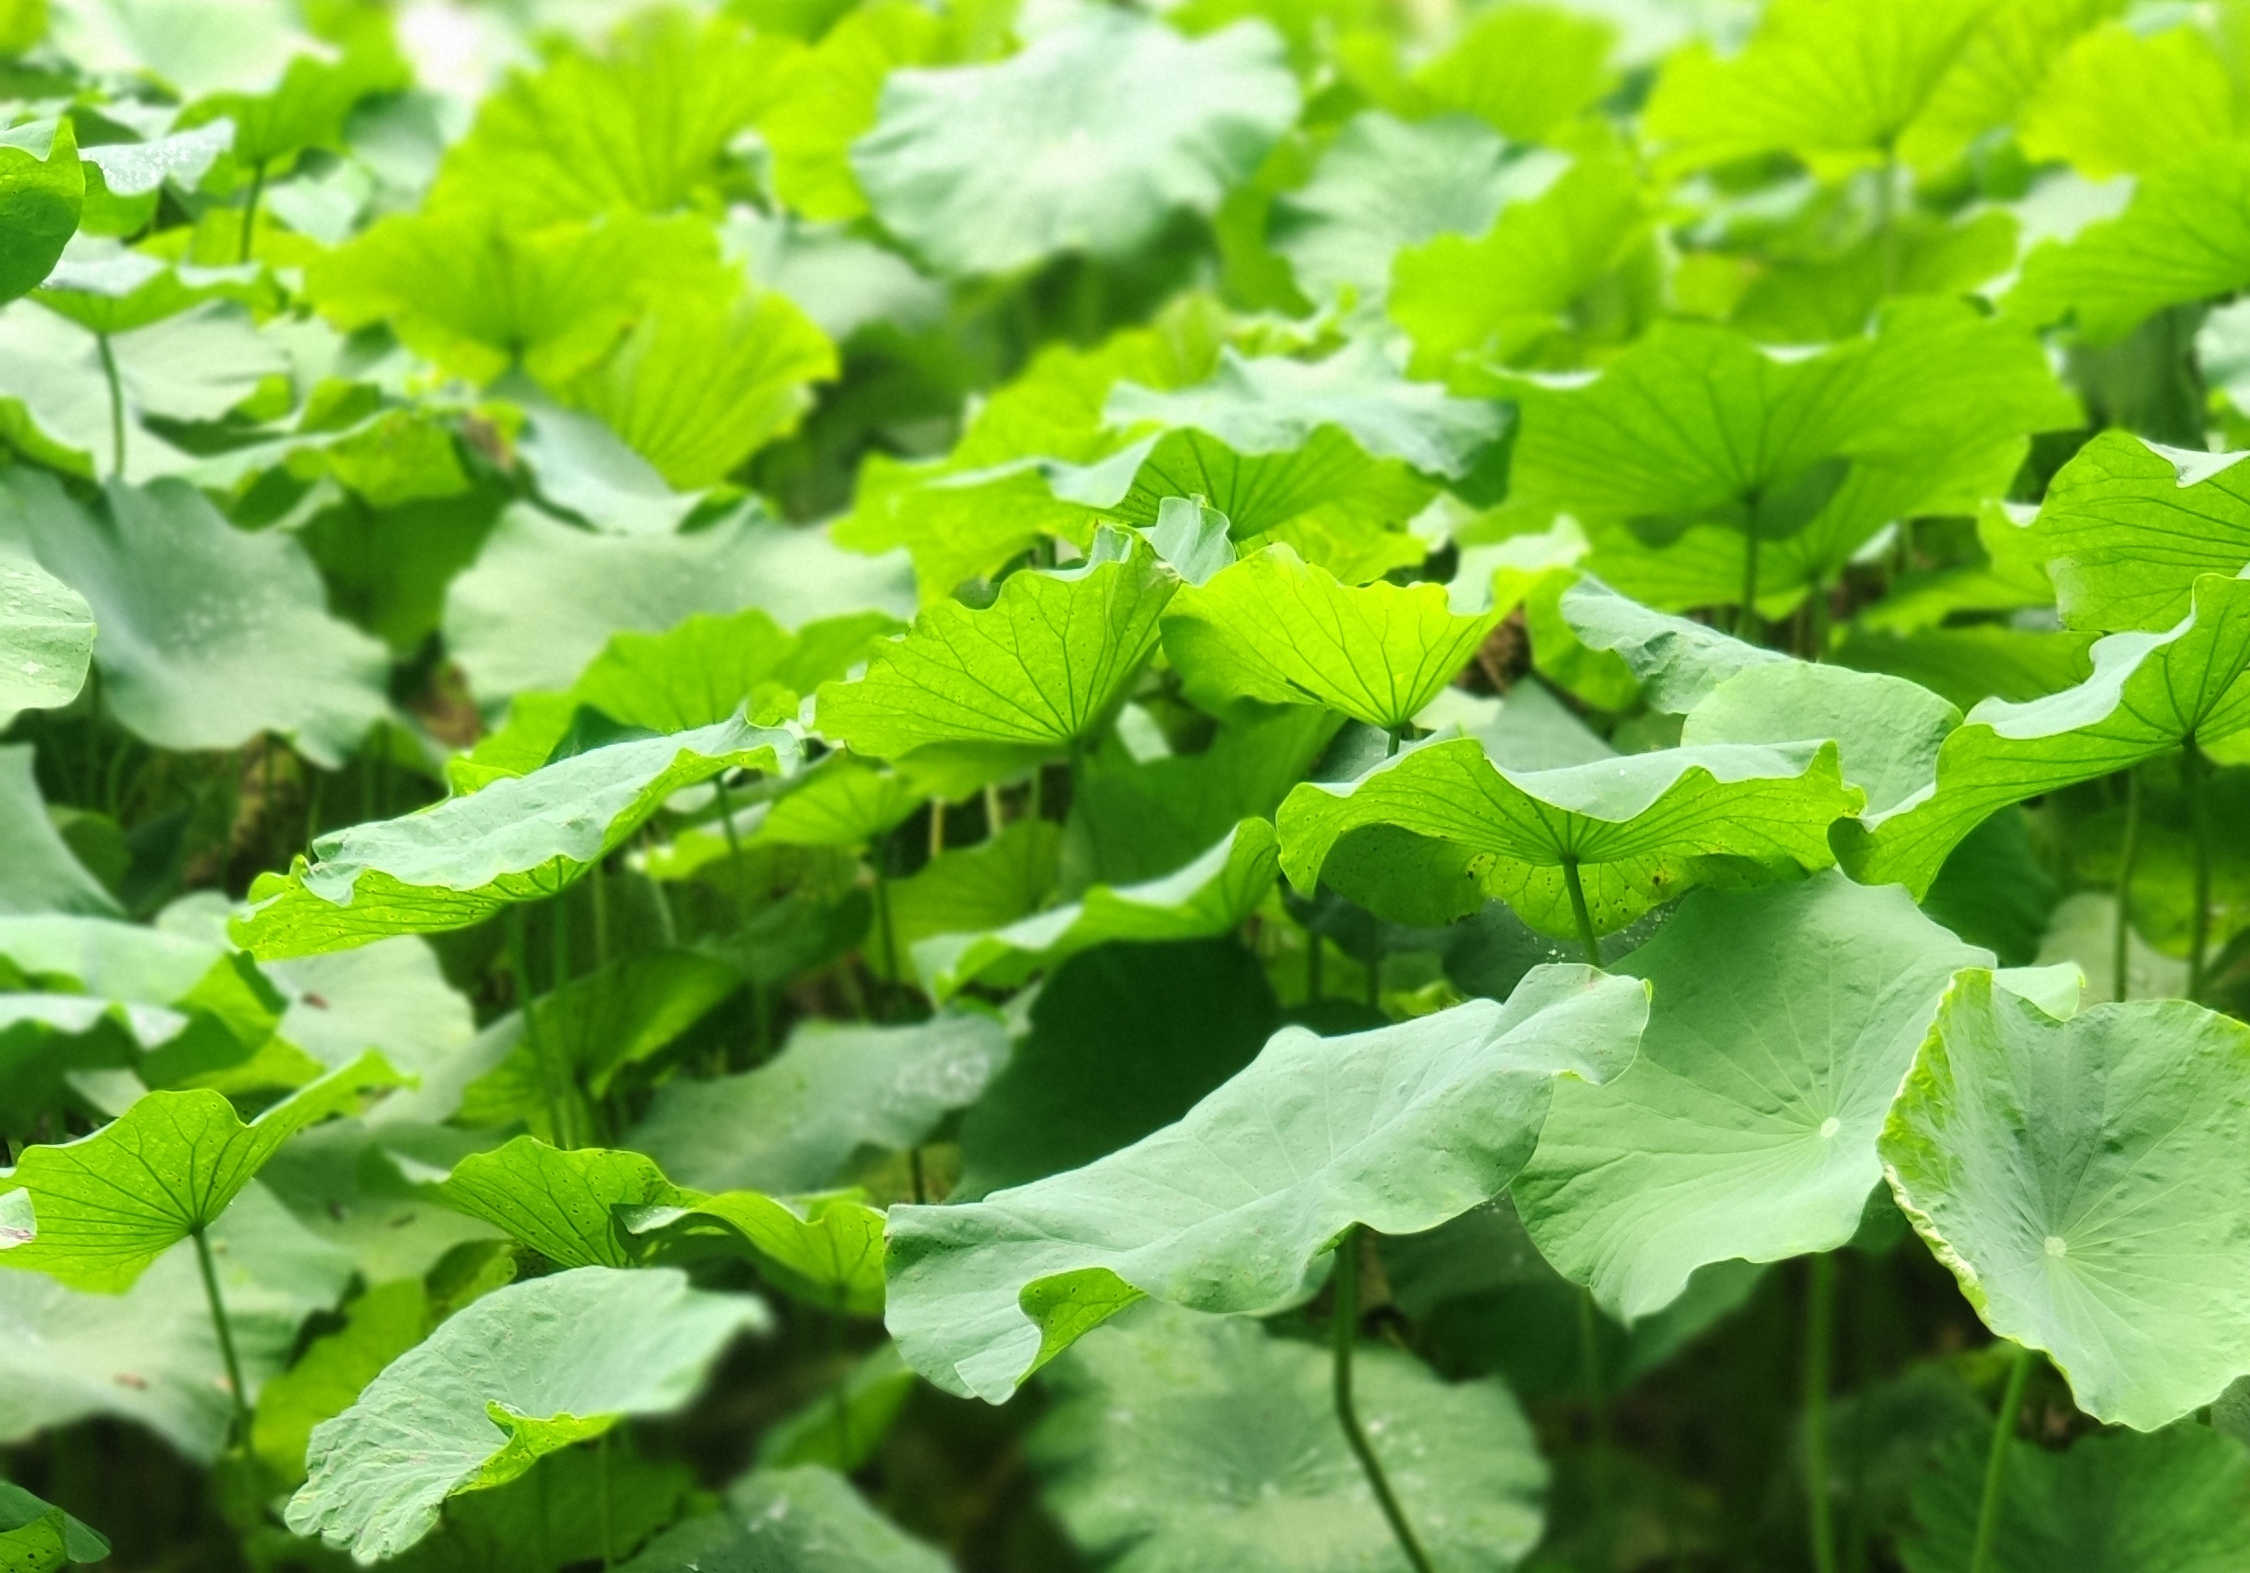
(519, 957)
(116, 406)
(225, 1330)
(1343, 1330)
(1996, 1461)
(1820, 1335)
(726, 817)
(250, 208)
(2195, 770)
(1586, 935)
(1596, 1396)
(883, 924)
(609, 1541)
(2128, 855)
(1397, 734)
(1746, 616)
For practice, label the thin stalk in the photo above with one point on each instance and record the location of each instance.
(1397, 733)
(1036, 808)
(116, 405)
(219, 1324)
(995, 812)
(839, 1398)
(1820, 1337)
(1595, 1392)
(914, 1173)
(1996, 1461)
(1315, 985)
(1886, 219)
(937, 828)
(1343, 1329)
(883, 924)
(609, 1540)
(726, 818)
(598, 877)
(1746, 616)
(2199, 823)
(519, 957)
(667, 927)
(1586, 935)
(250, 209)
(1374, 977)
(1818, 640)
(2128, 855)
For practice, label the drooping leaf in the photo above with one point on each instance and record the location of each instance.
(46, 638)
(106, 1206)
(38, 1537)
(2079, 1178)
(522, 838)
(1236, 1206)
(38, 870)
(1781, 1023)
(42, 188)
(1204, 113)
(806, 1519)
(523, 1372)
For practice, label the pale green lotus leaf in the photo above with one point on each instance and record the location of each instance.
(46, 638)
(1139, 1475)
(1640, 829)
(38, 871)
(1780, 1025)
(806, 1519)
(379, 1326)
(106, 1206)
(106, 287)
(520, 1373)
(1274, 629)
(1204, 112)
(522, 838)
(1236, 1206)
(2127, 527)
(2080, 1180)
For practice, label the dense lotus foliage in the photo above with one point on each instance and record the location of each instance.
(862, 786)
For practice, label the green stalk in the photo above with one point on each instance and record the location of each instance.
(250, 209)
(116, 405)
(609, 1541)
(1886, 219)
(225, 1330)
(1586, 935)
(1374, 977)
(726, 818)
(1820, 1334)
(1397, 732)
(2128, 855)
(883, 925)
(1343, 1328)
(1314, 983)
(1746, 617)
(1996, 1461)
(519, 956)
(2199, 822)
(598, 877)
(1596, 1395)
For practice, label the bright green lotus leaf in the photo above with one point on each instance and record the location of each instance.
(2081, 1180)
(210, 635)
(1236, 1206)
(1525, 70)
(1039, 671)
(2177, 79)
(519, 1373)
(1006, 876)
(37, 1536)
(1639, 830)
(1275, 629)
(839, 802)
(701, 382)
(108, 1205)
(475, 297)
(1781, 1023)
(42, 189)
(835, 1090)
(522, 838)
(2112, 1503)
(67, 1356)
(1556, 269)
(46, 638)
(1204, 112)
(1678, 661)
(826, 97)
(1997, 69)
(826, 1249)
(1385, 184)
(543, 598)
(1838, 86)
(38, 870)
(2149, 693)
(1142, 1478)
(379, 1326)
(106, 287)
(639, 124)
(2127, 527)
(2185, 236)
(1212, 894)
(806, 1519)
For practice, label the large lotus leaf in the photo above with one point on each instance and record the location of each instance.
(106, 287)
(1781, 1022)
(1275, 629)
(2121, 102)
(36, 1536)
(1008, 875)
(2128, 526)
(1554, 267)
(1640, 829)
(1204, 112)
(543, 598)
(2082, 1180)
(2185, 236)
(638, 125)
(522, 838)
(210, 635)
(379, 1326)
(2113, 1503)
(1385, 184)
(702, 381)
(1212, 894)
(123, 179)
(825, 97)
(106, 1206)
(1997, 69)
(2149, 693)
(807, 1520)
(1236, 1206)
(1038, 671)
(522, 1372)
(1525, 70)
(41, 192)
(38, 871)
(1836, 85)
(143, 1355)
(46, 638)
(1145, 1476)
(475, 297)
(839, 802)
(825, 1248)
(795, 1123)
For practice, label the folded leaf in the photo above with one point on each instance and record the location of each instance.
(41, 192)
(2128, 526)
(37, 1536)
(46, 638)
(1236, 1207)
